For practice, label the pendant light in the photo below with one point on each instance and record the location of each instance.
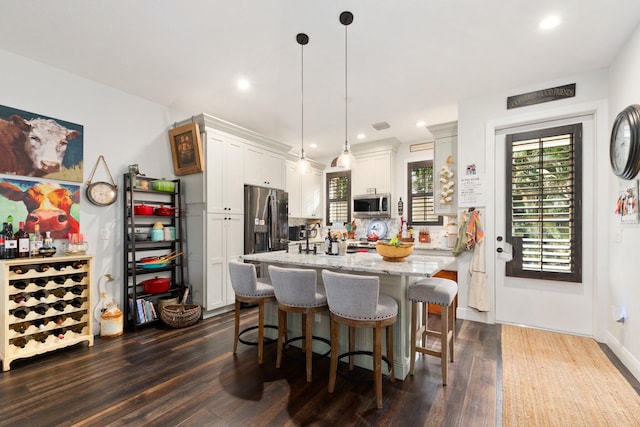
(346, 159)
(303, 164)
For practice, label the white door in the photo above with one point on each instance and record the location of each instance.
(544, 303)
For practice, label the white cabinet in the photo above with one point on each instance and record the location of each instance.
(224, 179)
(444, 155)
(263, 168)
(372, 172)
(223, 243)
(305, 192)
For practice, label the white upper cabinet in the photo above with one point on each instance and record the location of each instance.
(264, 168)
(372, 172)
(305, 192)
(225, 192)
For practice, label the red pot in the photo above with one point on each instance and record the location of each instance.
(157, 285)
(143, 209)
(165, 211)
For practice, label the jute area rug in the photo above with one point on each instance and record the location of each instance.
(551, 379)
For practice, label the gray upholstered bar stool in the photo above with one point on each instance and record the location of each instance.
(434, 290)
(297, 291)
(250, 290)
(355, 301)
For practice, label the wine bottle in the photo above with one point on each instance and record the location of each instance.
(19, 269)
(77, 328)
(41, 308)
(20, 299)
(40, 296)
(76, 278)
(59, 320)
(59, 292)
(40, 282)
(59, 305)
(40, 323)
(10, 242)
(40, 337)
(77, 265)
(77, 302)
(3, 252)
(20, 284)
(21, 312)
(22, 238)
(77, 290)
(20, 341)
(20, 327)
(60, 279)
(77, 315)
(42, 267)
(59, 333)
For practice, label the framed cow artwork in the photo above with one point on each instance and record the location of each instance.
(39, 146)
(51, 205)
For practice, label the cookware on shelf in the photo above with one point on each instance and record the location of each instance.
(165, 211)
(156, 285)
(143, 209)
(163, 185)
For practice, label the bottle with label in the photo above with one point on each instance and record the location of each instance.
(35, 241)
(10, 243)
(334, 246)
(22, 237)
(327, 243)
(2, 241)
(400, 207)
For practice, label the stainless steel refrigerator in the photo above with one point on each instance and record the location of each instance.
(266, 225)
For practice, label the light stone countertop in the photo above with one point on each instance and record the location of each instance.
(415, 265)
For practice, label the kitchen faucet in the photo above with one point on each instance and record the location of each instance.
(308, 230)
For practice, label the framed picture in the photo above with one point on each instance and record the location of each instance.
(186, 149)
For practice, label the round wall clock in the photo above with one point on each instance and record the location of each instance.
(624, 146)
(101, 193)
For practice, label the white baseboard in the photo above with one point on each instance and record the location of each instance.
(627, 359)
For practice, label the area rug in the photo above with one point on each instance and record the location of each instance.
(552, 379)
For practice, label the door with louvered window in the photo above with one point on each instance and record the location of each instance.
(539, 227)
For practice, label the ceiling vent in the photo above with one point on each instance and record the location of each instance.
(381, 126)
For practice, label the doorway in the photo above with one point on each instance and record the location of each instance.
(542, 301)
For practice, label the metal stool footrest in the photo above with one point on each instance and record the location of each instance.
(251, 328)
(365, 353)
(316, 355)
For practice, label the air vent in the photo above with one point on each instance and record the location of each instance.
(381, 126)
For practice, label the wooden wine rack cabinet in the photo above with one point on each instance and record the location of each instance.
(56, 306)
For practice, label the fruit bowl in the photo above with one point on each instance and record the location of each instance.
(394, 253)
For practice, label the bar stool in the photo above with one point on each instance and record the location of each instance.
(434, 290)
(297, 291)
(355, 301)
(250, 290)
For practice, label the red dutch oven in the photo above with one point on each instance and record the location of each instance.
(143, 209)
(157, 285)
(165, 211)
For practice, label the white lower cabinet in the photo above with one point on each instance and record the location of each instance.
(224, 243)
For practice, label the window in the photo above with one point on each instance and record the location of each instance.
(420, 210)
(338, 197)
(544, 206)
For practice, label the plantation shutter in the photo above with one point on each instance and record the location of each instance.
(421, 203)
(544, 203)
(338, 197)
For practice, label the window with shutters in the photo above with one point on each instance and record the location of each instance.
(338, 197)
(544, 205)
(420, 210)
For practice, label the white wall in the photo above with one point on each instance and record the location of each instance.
(123, 128)
(477, 120)
(624, 285)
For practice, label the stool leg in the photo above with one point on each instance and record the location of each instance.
(444, 340)
(377, 363)
(308, 343)
(260, 331)
(352, 346)
(392, 375)
(452, 328)
(425, 317)
(282, 327)
(333, 367)
(414, 327)
(236, 328)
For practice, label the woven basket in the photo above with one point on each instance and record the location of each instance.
(180, 315)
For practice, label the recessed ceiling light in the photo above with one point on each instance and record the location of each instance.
(421, 124)
(313, 145)
(361, 136)
(243, 84)
(549, 22)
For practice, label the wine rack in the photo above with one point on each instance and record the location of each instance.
(45, 305)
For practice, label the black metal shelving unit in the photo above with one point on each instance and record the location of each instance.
(139, 306)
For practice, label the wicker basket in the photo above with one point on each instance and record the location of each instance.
(180, 315)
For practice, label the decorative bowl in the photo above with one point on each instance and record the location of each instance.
(394, 253)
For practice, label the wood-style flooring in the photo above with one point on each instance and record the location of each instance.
(189, 377)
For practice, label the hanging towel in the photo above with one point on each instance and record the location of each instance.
(474, 230)
(461, 241)
(478, 292)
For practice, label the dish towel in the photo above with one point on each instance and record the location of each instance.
(478, 292)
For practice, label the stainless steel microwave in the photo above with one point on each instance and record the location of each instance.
(372, 206)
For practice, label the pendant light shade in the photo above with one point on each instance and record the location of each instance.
(302, 166)
(346, 159)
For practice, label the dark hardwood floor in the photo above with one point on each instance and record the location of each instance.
(188, 377)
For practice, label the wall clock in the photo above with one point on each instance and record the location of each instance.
(624, 146)
(101, 193)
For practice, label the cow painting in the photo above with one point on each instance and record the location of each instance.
(34, 147)
(48, 204)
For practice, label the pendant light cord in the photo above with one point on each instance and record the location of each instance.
(302, 101)
(345, 88)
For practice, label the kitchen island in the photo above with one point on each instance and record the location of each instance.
(395, 277)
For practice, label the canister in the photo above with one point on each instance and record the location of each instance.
(170, 233)
(157, 232)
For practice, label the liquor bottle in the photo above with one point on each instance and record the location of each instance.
(22, 238)
(10, 243)
(327, 243)
(3, 252)
(35, 241)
